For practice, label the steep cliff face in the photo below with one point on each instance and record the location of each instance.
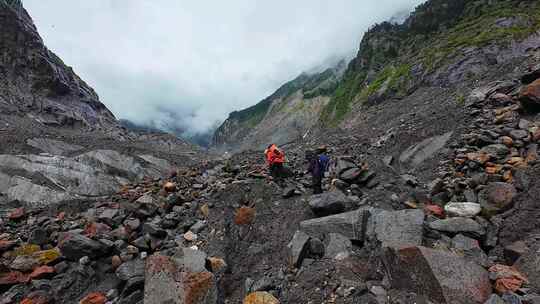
(58, 142)
(35, 82)
(286, 115)
(442, 43)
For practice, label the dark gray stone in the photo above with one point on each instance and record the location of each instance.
(349, 224)
(396, 228)
(441, 276)
(494, 299)
(418, 153)
(529, 265)
(329, 203)
(458, 225)
(499, 151)
(75, 246)
(339, 246)
(191, 260)
(130, 269)
(298, 248)
(38, 236)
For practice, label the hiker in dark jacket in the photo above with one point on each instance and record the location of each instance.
(318, 164)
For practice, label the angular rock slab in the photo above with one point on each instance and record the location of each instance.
(417, 154)
(457, 225)
(396, 228)
(166, 282)
(350, 224)
(441, 276)
(298, 248)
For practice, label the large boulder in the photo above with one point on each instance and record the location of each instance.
(530, 96)
(531, 75)
(396, 228)
(529, 265)
(329, 203)
(298, 248)
(167, 282)
(339, 246)
(350, 224)
(75, 246)
(440, 276)
(458, 225)
(497, 196)
(418, 153)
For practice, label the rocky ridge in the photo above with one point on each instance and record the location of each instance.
(225, 232)
(59, 142)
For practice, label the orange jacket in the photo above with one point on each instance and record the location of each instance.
(274, 155)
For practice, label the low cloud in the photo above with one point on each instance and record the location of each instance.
(187, 64)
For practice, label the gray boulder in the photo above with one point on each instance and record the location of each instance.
(458, 225)
(130, 270)
(75, 246)
(168, 282)
(529, 265)
(298, 248)
(350, 224)
(329, 203)
(339, 246)
(497, 196)
(498, 151)
(396, 228)
(418, 153)
(441, 276)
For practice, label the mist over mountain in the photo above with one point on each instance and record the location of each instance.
(189, 64)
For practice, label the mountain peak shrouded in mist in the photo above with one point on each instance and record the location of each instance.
(200, 60)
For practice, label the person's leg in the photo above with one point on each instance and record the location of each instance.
(317, 188)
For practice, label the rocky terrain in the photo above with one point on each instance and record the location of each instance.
(432, 194)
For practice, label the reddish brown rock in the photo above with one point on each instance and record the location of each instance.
(507, 278)
(260, 297)
(17, 214)
(507, 141)
(530, 97)
(116, 261)
(497, 196)
(165, 281)
(12, 278)
(435, 210)
(35, 299)
(94, 298)
(42, 272)
(244, 216)
(169, 187)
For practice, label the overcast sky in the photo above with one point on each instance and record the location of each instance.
(192, 62)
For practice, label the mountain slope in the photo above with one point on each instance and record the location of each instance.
(284, 116)
(36, 82)
(58, 141)
(443, 43)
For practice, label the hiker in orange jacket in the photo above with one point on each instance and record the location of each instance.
(275, 159)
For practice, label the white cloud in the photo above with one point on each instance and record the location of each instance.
(200, 59)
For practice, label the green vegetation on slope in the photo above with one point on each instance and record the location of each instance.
(437, 32)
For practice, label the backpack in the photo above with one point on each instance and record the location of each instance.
(324, 161)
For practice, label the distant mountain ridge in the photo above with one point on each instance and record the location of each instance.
(283, 116)
(442, 43)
